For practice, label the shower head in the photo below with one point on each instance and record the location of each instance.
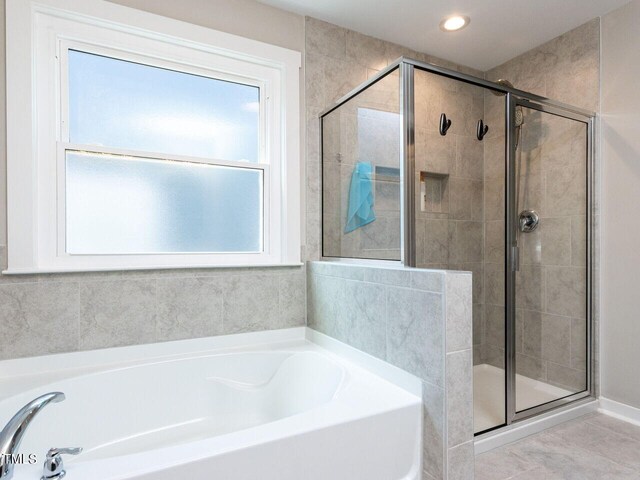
(519, 118)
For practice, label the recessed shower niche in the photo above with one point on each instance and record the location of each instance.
(478, 154)
(434, 196)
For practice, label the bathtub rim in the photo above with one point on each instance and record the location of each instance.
(16, 375)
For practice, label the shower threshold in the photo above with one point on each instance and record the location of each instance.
(488, 395)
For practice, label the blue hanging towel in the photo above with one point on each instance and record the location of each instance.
(360, 209)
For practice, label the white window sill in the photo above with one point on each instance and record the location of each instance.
(31, 271)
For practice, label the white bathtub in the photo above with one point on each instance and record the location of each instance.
(220, 408)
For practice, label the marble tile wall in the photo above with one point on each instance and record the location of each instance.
(551, 320)
(419, 320)
(54, 313)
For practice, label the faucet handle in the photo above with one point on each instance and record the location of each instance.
(53, 452)
(53, 465)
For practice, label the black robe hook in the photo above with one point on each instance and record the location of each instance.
(445, 124)
(482, 130)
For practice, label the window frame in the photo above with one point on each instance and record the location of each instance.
(36, 187)
(65, 144)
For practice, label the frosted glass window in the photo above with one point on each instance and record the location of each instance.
(122, 104)
(126, 205)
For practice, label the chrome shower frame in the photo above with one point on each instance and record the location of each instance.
(513, 98)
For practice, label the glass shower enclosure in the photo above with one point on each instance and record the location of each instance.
(437, 169)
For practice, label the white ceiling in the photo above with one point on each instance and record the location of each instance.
(499, 29)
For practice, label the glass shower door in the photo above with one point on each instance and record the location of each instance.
(549, 213)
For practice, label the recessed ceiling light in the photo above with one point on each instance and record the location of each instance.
(454, 23)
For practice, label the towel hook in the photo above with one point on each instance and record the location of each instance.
(482, 130)
(445, 124)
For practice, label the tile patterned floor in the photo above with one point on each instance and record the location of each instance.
(593, 447)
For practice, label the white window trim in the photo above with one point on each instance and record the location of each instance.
(37, 33)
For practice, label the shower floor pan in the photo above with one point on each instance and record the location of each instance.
(489, 395)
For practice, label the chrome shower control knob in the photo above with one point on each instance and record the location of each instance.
(528, 221)
(53, 466)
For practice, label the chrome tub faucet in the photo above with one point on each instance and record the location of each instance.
(11, 435)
